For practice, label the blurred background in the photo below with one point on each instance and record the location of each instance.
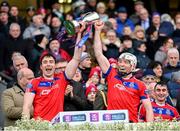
(162, 6)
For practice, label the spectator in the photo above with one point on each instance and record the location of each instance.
(111, 45)
(149, 77)
(127, 44)
(119, 81)
(78, 76)
(37, 27)
(60, 65)
(113, 22)
(138, 5)
(2, 66)
(69, 16)
(55, 26)
(174, 85)
(162, 110)
(16, 18)
(156, 21)
(157, 68)
(152, 35)
(30, 12)
(91, 92)
(161, 54)
(176, 33)
(101, 10)
(55, 10)
(40, 45)
(4, 23)
(142, 59)
(167, 18)
(166, 29)
(138, 34)
(95, 78)
(91, 5)
(127, 31)
(15, 43)
(12, 99)
(85, 66)
(78, 8)
(55, 48)
(75, 99)
(111, 9)
(173, 63)
(107, 26)
(144, 19)
(53, 96)
(96, 101)
(19, 62)
(42, 11)
(122, 21)
(4, 7)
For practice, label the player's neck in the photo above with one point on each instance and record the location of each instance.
(48, 78)
(127, 76)
(159, 103)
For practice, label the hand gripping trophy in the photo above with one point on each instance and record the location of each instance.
(71, 27)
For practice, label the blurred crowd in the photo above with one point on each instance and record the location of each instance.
(152, 37)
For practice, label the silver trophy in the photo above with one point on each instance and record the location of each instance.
(71, 26)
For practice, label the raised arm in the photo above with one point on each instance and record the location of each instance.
(102, 60)
(73, 64)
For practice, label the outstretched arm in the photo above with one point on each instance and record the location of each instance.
(102, 60)
(73, 64)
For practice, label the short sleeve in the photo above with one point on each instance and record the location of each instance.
(143, 92)
(31, 87)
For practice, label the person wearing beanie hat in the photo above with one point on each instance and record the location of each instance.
(91, 90)
(84, 56)
(40, 45)
(85, 66)
(90, 93)
(123, 21)
(55, 47)
(96, 99)
(124, 90)
(94, 76)
(95, 71)
(4, 6)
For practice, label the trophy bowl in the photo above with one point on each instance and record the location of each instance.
(70, 26)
